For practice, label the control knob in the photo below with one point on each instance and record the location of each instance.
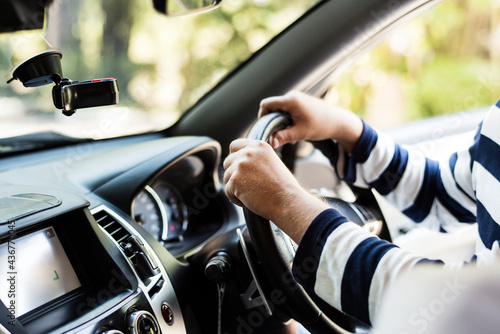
(142, 322)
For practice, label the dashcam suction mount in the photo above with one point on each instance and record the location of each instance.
(45, 68)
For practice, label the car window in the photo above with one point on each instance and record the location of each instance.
(163, 65)
(444, 61)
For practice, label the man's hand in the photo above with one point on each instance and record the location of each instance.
(313, 119)
(256, 178)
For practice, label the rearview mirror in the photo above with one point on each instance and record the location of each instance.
(183, 7)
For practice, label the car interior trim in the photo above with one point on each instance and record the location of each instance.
(252, 271)
(165, 293)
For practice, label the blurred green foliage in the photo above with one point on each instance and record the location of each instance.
(447, 60)
(162, 64)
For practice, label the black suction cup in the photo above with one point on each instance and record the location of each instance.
(42, 69)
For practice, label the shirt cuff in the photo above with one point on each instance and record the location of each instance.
(365, 144)
(359, 154)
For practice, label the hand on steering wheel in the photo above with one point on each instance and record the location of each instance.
(271, 192)
(283, 209)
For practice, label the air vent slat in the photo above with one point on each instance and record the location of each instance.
(117, 229)
(122, 239)
(99, 220)
(107, 226)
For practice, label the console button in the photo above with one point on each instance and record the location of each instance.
(167, 313)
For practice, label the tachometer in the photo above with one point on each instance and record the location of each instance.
(176, 210)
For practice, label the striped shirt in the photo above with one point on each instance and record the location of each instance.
(350, 268)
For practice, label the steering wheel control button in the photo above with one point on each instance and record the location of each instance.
(167, 313)
(218, 268)
(142, 322)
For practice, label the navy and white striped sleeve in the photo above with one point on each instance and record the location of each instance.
(417, 186)
(485, 164)
(348, 267)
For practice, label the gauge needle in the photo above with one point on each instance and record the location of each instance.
(138, 219)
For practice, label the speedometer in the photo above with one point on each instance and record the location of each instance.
(148, 211)
(160, 210)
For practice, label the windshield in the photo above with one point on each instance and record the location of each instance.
(163, 65)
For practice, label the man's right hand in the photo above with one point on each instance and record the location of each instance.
(313, 119)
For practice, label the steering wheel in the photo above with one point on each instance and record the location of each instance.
(275, 255)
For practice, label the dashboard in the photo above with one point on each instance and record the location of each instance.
(97, 238)
(128, 236)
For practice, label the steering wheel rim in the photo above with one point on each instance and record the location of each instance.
(299, 303)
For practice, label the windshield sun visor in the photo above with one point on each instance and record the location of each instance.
(22, 14)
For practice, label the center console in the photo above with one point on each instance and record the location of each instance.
(65, 268)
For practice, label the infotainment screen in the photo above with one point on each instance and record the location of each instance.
(34, 270)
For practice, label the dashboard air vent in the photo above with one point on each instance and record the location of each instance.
(131, 245)
(110, 225)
